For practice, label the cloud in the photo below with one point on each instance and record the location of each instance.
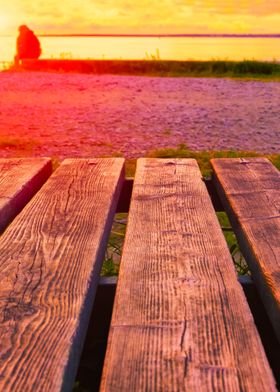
(241, 7)
(153, 16)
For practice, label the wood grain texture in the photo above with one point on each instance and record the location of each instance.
(250, 189)
(180, 319)
(20, 179)
(50, 259)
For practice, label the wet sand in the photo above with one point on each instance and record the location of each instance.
(70, 115)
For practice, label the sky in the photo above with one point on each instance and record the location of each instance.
(141, 17)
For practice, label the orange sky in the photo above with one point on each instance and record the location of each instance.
(145, 16)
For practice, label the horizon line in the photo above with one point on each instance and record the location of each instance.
(225, 35)
(159, 35)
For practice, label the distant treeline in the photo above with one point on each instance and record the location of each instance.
(244, 68)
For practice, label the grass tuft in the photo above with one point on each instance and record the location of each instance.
(111, 261)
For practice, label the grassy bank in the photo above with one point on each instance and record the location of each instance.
(235, 69)
(202, 157)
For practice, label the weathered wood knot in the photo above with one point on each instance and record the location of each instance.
(18, 311)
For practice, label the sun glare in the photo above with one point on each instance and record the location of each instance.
(5, 22)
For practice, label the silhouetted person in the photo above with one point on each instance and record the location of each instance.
(28, 45)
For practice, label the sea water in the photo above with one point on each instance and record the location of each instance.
(164, 48)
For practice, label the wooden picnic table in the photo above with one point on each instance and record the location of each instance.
(180, 320)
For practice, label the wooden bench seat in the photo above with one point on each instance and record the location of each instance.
(20, 179)
(50, 259)
(250, 190)
(180, 319)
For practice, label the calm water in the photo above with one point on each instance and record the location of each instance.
(181, 48)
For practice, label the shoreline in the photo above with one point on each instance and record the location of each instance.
(246, 69)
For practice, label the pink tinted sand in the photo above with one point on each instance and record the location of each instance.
(88, 115)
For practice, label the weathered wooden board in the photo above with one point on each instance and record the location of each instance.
(250, 189)
(180, 320)
(50, 259)
(20, 179)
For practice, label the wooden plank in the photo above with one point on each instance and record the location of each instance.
(20, 179)
(180, 320)
(50, 258)
(250, 189)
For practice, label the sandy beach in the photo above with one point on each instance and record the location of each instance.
(63, 115)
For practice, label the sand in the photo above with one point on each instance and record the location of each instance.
(63, 115)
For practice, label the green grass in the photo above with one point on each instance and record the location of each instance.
(156, 67)
(237, 257)
(203, 157)
(111, 261)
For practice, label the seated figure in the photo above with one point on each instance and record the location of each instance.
(28, 45)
